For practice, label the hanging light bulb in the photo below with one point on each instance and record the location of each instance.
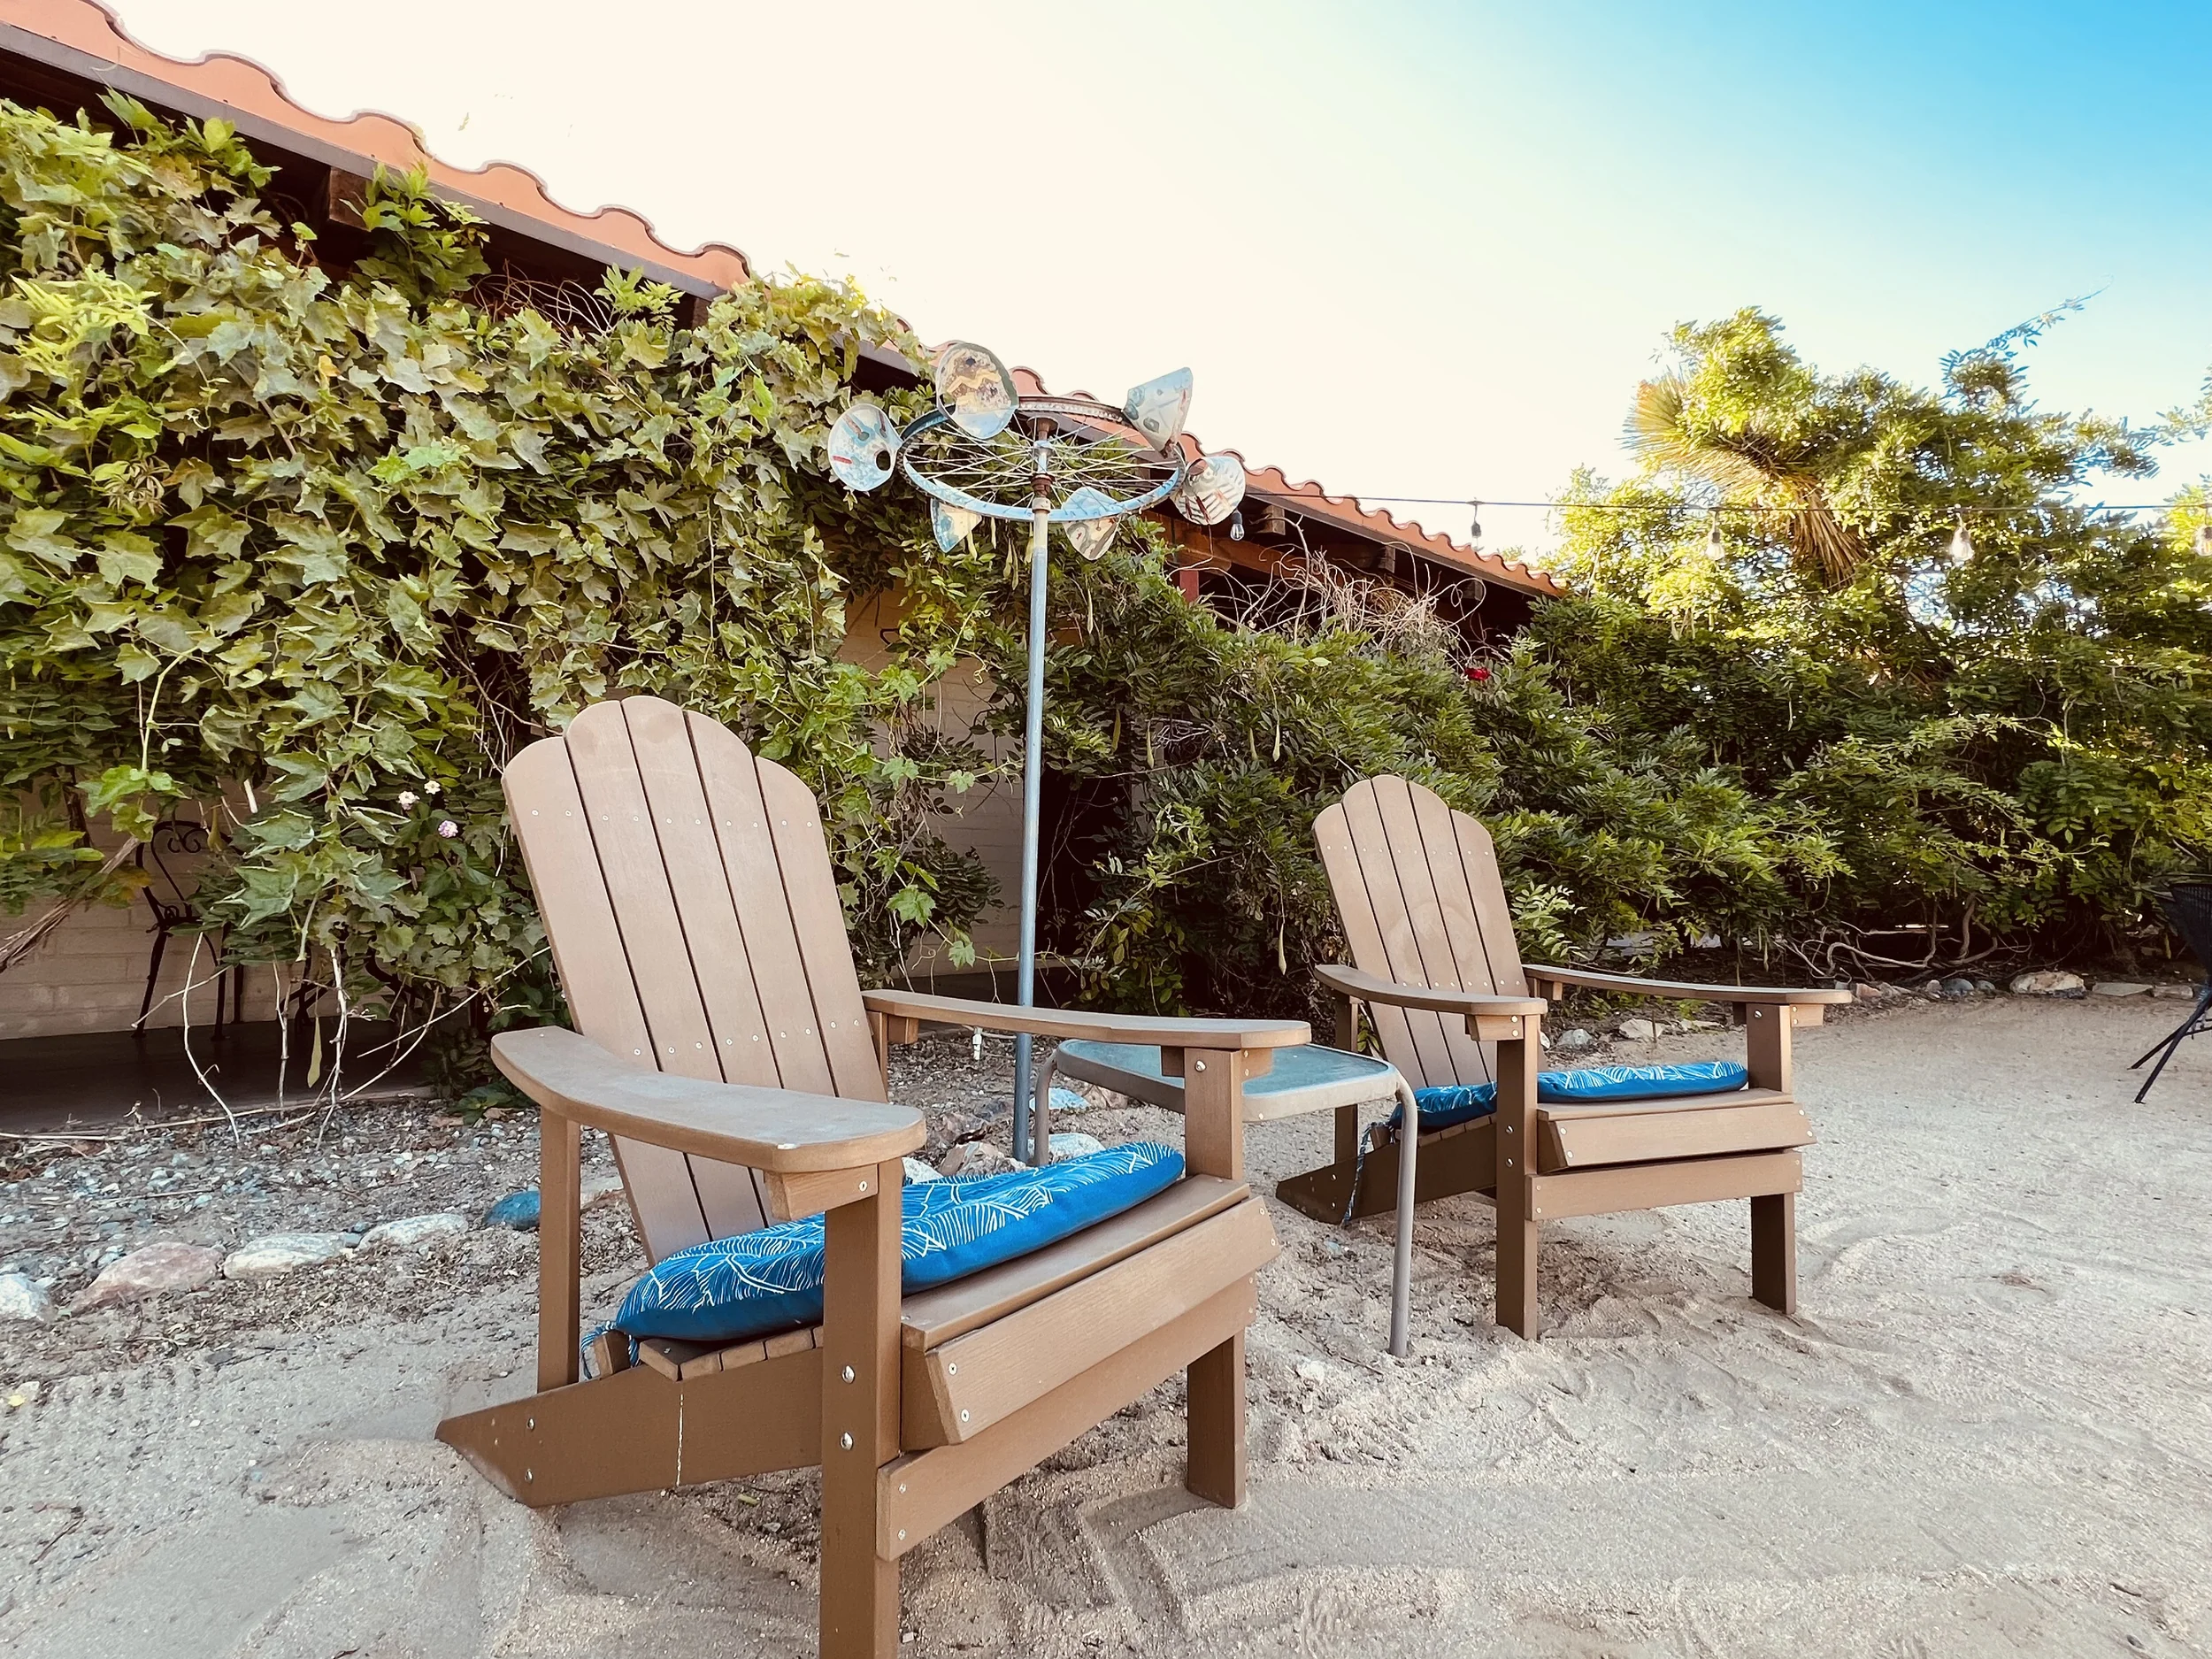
(1961, 545)
(2204, 540)
(1236, 526)
(1474, 525)
(1716, 545)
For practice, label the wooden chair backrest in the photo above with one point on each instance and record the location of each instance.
(688, 896)
(1417, 890)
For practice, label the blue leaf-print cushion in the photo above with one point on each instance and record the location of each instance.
(726, 1290)
(1641, 1082)
(1459, 1103)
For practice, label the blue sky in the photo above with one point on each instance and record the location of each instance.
(1408, 248)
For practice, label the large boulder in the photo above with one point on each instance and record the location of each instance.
(153, 1271)
(518, 1212)
(23, 1297)
(413, 1230)
(281, 1253)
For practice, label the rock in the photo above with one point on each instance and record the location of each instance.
(1067, 1100)
(405, 1234)
(1575, 1040)
(1697, 1024)
(973, 1158)
(518, 1212)
(152, 1271)
(1070, 1145)
(1313, 1371)
(978, 1121)
(2047, 983)
(1640, 1030)
(1985, 988)
(1098, 1098)
(1958, 989)
(1706, 941)
(917, 1171)
(23, 1297)
(2120, 988)
(2176, 993)
(1873, 991)
(282, 1253)
(601, 1189)
(1934, 987)
(24, 1394)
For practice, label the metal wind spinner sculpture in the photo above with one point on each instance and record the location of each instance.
(986, 452)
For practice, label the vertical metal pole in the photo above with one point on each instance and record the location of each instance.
(1033, 782)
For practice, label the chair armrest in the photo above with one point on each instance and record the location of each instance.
(1365, 987)
(1634, 984)
(779, 1130)
(1230, 1035)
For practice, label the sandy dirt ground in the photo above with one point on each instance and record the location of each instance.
(1988, 1431)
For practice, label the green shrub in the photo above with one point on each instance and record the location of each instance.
(2011, 751)
(1207, 747)
(317, 551)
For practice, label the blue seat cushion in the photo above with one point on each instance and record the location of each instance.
(1454, 1104)
(1641, 1082)
(726, 1290)
(1462, 1102)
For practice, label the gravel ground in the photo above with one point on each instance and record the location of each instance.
(70, 1207)
(1985, 1434)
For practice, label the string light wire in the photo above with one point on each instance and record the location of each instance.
(1629, 506)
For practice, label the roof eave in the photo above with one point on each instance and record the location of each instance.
(82, 38)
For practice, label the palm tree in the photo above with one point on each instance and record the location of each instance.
(1757, 457)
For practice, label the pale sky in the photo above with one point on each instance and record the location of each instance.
(1407, 249)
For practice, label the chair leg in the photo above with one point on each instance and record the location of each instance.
(153, 975)
(1516, 1266)
(860, 1421)
(1774, 1250)
(2172, 1045)
(1402, 1267)
(1515, 1135)
(1214, 1461)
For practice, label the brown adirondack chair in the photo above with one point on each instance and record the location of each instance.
(1436, 970)
(724, 1041)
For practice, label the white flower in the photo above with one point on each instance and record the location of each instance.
(448, 828)
(407, 797)
(431, 786)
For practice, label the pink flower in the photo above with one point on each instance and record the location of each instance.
(448, 828)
